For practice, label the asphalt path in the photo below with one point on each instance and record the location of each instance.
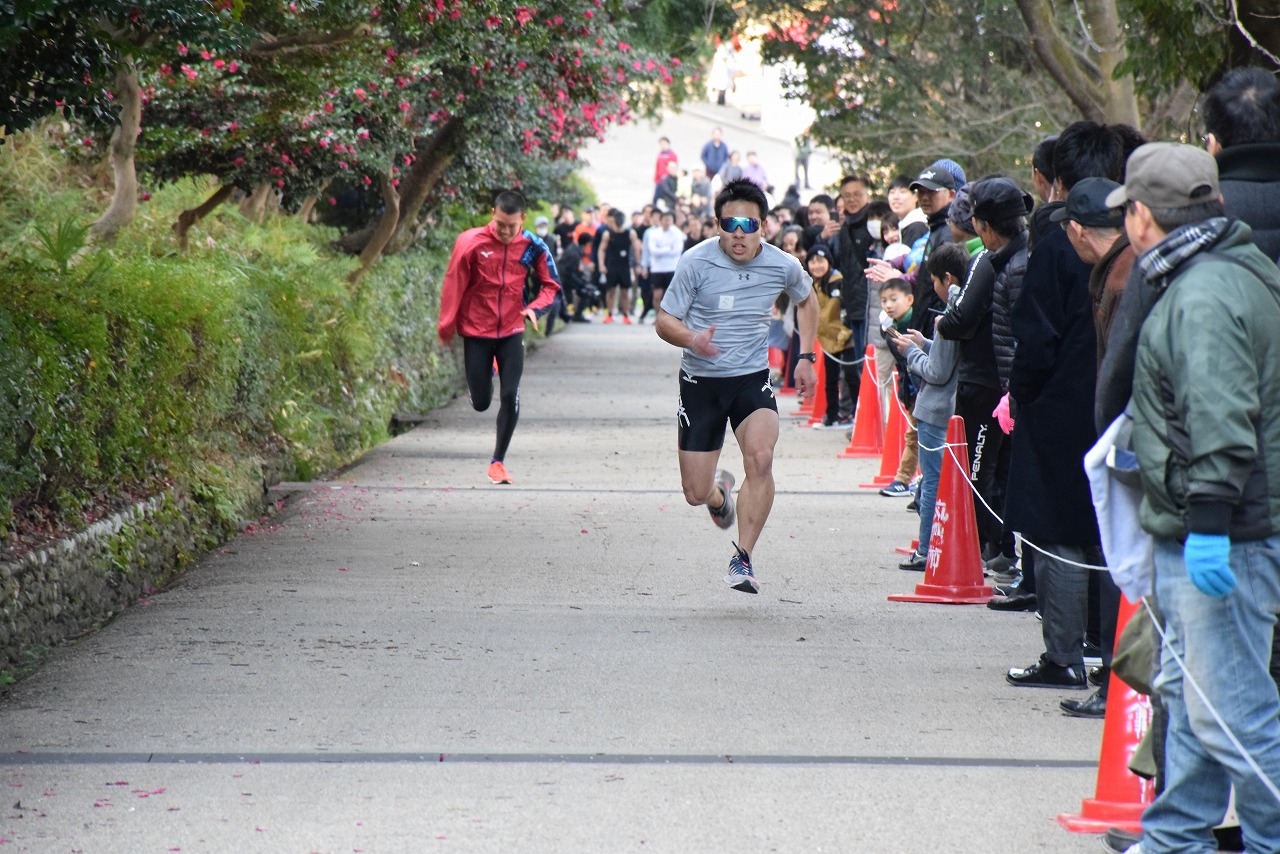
(407, 658)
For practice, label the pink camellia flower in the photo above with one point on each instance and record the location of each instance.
(624, 47)
(233, 67)
(522, 65)
(589, 14)
(189, 72)
(145, 197)
(328, 108)
(342, 164)
(205, 55)
(523, 15)
(182, 50)
(367, 180)
(239, 161)
(87, 141)
(218, 63)
(404, 106)
(332, 200)
(492, 22)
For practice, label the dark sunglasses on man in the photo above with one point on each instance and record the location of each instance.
(745, 224)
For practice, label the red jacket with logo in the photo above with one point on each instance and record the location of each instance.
(484, 287)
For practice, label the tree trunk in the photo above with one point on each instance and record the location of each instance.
(124, 201)
(188, 218)
(1119, 101)
(387, 225)
(309, 203)
(431, 161)
(254, 206)
(1088, 84)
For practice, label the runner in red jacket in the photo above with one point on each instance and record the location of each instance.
(483, 300)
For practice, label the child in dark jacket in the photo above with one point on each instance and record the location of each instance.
(898, 302)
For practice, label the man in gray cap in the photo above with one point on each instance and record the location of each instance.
(1206, 432)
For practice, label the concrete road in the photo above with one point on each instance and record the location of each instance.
(408, 658)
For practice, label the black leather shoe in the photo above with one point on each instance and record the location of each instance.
(916, 562)
(1016, 602)
(1046, 674)
(1098, 676)
(1093, 706)
(1118, 841)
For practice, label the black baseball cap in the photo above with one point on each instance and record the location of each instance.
(999, 200)
(934, 178)
(1087, 205)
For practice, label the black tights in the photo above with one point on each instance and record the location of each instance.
(478, 355)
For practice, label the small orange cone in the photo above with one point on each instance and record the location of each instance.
(788, 388)
(818, 407)
(1120, 795)
(868, 423)
(895, 442)
(953, 573)
(908, 550)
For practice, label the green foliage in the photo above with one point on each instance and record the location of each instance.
(61, 246)
(136, 367)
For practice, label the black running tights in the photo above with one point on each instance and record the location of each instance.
(478, 356)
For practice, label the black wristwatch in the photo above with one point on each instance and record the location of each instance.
(809, 357)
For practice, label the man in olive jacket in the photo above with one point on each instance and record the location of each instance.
(1206, 408)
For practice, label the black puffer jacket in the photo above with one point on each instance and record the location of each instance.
(1010, 264)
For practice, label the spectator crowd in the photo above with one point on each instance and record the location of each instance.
(1132, 295)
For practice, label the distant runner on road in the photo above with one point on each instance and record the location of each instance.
(483, 300)
(718, 309)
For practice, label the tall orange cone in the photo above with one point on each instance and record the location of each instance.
(868, 423)
(895, 442)
(1120, 795)
(953, 573)
(818, 408)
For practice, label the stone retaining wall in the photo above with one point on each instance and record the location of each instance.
(56, 593)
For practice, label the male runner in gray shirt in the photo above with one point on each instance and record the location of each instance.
(725, 288)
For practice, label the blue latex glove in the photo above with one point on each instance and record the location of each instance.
(1207, 563)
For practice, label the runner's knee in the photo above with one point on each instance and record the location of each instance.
(758, 462)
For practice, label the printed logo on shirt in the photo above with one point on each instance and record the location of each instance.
(726, 301)
(485, 254)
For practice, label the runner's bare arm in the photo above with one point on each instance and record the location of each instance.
(807, 323)
(672, 330)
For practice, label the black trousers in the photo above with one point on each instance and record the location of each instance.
(478, 355)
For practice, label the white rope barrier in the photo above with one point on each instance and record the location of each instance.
(950, 447)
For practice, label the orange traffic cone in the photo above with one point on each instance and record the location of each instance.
(953, 573)
(818, 408)
(895, 442)
(908, 550)
(868, 423)
(1120, 795)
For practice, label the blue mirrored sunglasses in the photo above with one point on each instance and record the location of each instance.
(745, 224)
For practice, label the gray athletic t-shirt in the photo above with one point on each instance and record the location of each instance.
(711, 289)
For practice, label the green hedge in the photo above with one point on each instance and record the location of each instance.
(128, 368)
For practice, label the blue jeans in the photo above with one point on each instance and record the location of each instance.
(928, 436)
(1226, 646)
